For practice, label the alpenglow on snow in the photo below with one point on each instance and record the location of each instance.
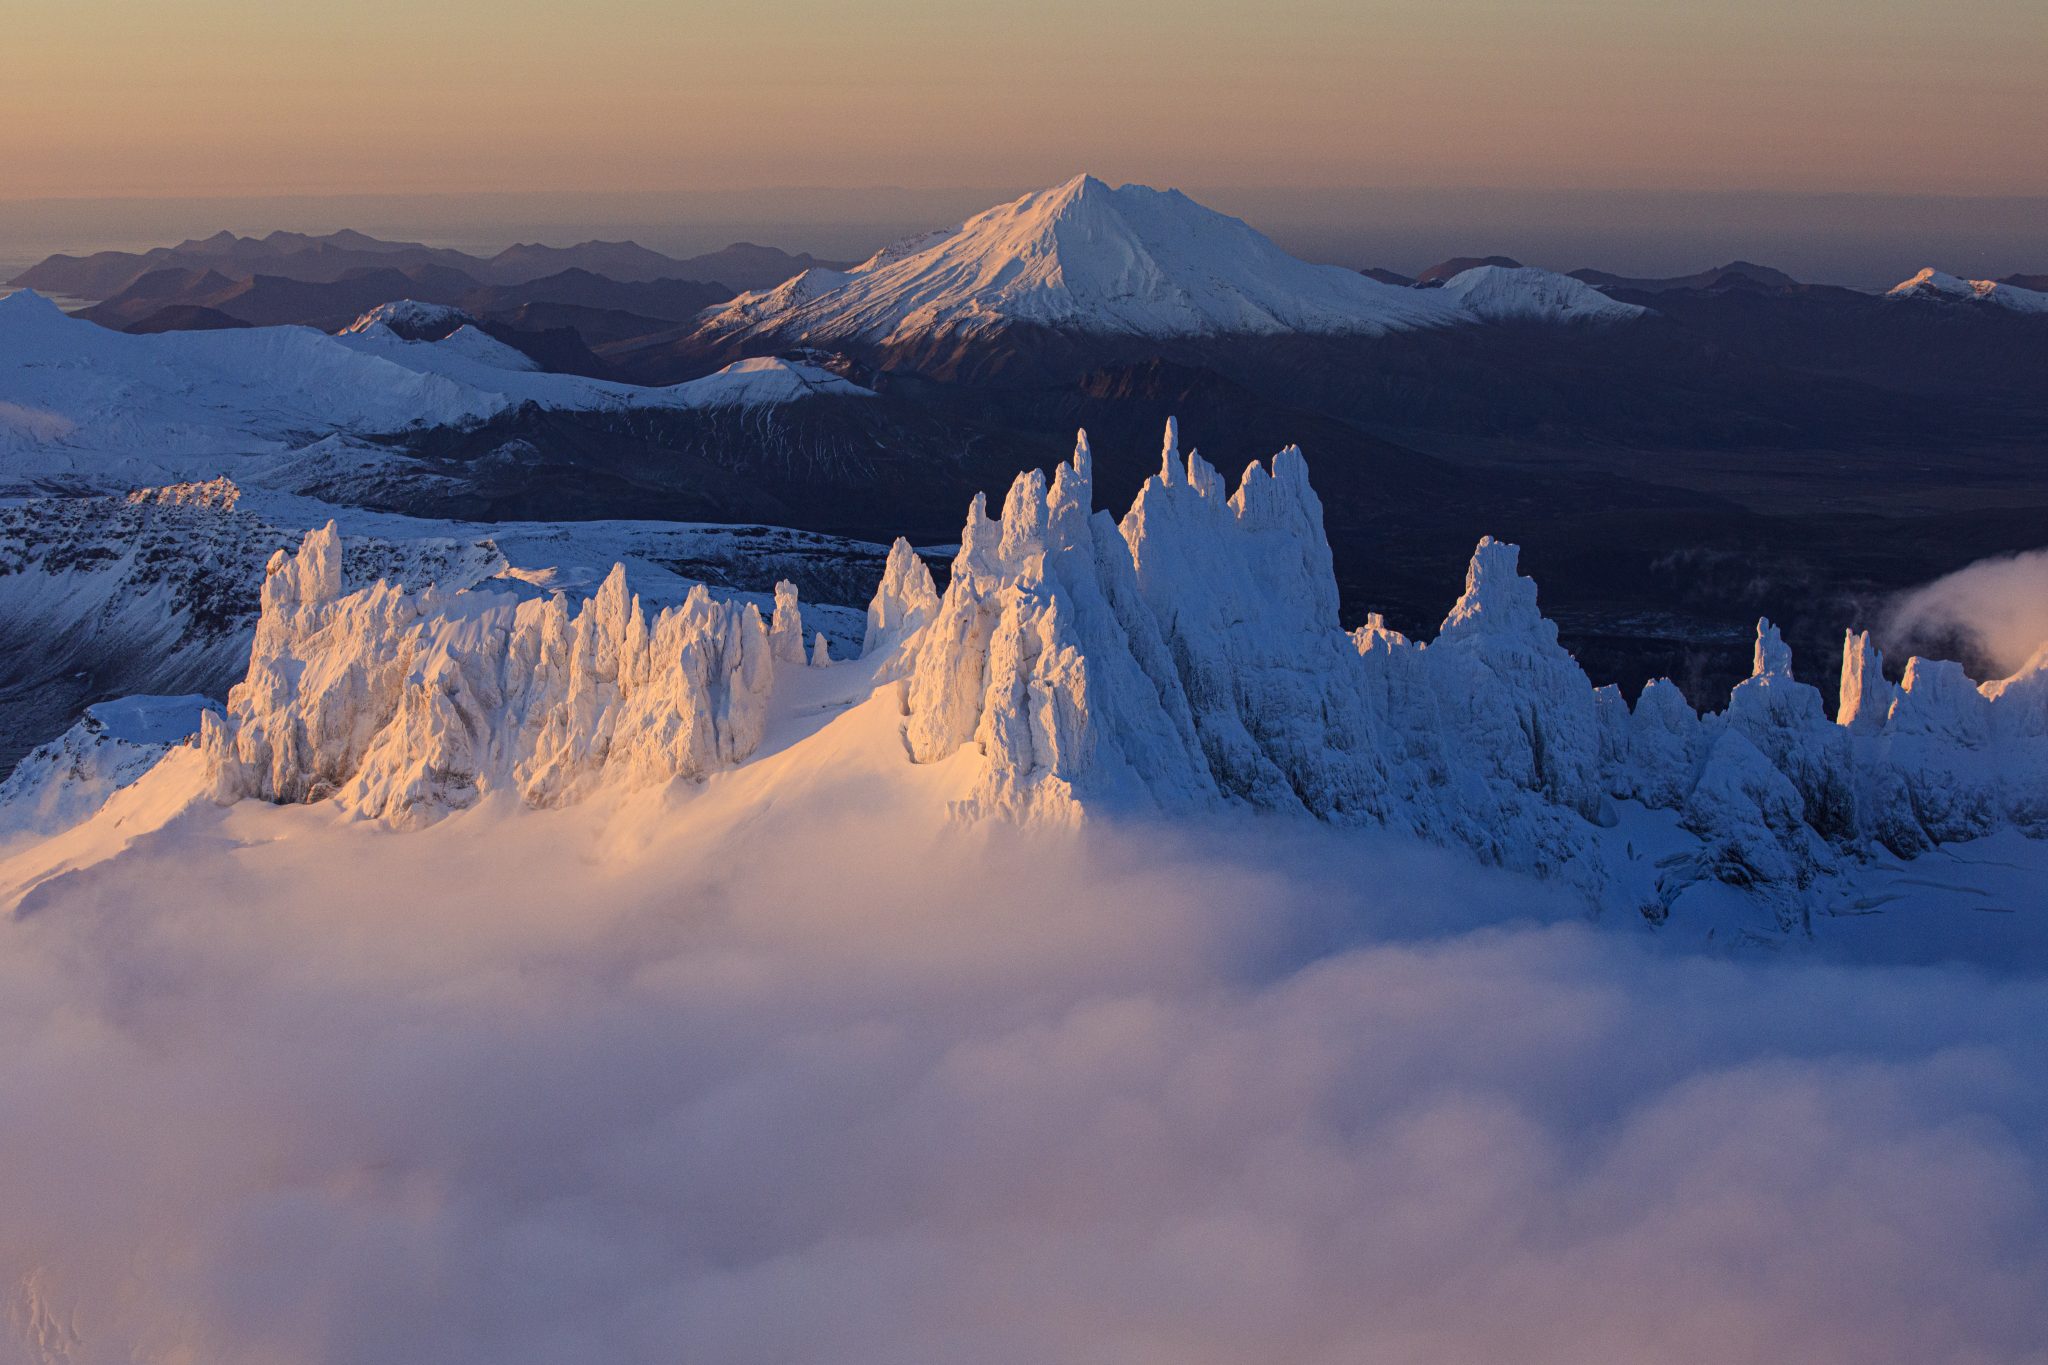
(1130, 261)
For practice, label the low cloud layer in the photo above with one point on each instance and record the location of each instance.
(1995, 608)
(536, 1089)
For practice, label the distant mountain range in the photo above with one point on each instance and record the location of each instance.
(331, 257)
(1734, 275)
(569, 297)
(1598, 418)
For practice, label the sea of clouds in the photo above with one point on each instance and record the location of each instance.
(593, 1085)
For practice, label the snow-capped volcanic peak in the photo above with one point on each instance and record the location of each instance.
(1528, 293)
(1084, 257)
(1941, 287)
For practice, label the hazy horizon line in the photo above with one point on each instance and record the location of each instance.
(1016, 188)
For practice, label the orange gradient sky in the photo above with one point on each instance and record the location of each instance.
(206, 97)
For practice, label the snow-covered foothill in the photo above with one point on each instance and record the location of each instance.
(1529, 293)
(764, 381)
(109, 409)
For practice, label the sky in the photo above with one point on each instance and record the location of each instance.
(1323, 99)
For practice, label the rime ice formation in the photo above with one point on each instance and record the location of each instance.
(1187, 658)
(905, 600)
(406, 705)
(1191, 657)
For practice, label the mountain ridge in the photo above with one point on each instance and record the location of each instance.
(324, 259)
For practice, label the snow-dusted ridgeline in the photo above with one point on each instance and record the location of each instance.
(1187, 658)
(1931, 285)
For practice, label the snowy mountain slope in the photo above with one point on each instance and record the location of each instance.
(1183, 662)
(106, 409)
(1530, 294)
(63, 782)
(1083, 257)
(1934, 286)
(71, 391)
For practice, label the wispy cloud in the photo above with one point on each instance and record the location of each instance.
(1996, 608)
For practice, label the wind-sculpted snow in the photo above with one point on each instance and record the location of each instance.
(406, 705)
(1191, 657)
(1186, 659)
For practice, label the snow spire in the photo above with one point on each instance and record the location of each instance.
(1497, 598)
(1866, 696)
(1169, 453)
(821, 653)
(1203, 478)
(1773, 656)
(786, 628)
(1073, 489)
(310, 578)
(1936, 698)
(904, 600)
